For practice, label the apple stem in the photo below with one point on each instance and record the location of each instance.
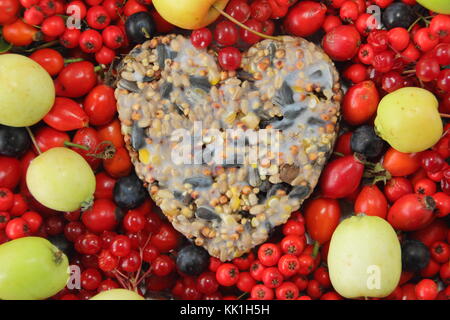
(240, 24)
(33, 140)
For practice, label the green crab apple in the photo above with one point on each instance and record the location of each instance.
(27, 92)
(408, 119)
(439, 6)
(61, 180)
(364, 258)
(190, 14)
(31, 268)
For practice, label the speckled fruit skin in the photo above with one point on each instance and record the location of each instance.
(189, 14)
(27, 92)
(31, 268)
(408, 119)
(117, 294)
(364, 249)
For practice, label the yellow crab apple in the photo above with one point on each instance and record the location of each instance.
(190, 14)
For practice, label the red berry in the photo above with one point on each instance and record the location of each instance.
(292, 244)
(230, 58)
(201, 38)
(239, 9)
(398, 38)
(70, 38)
(34, 220)
(33, 16)
(53, 26)
(272, 278)
(6, 199)
(91, 41)
(245, 282)
(97, 17)
(260, 10)
(226, 33)
(131, 263)
(426, 289)
(306, 263)
(207, 283)
(287, 291)
(78, 8)
(366, 54)
(227, 275)
(17, 228)
(150, 253)
(113, 37)
(442, 53)
(88, 244)
(250, 37)
(256, 270)
(261, 292)
(288, 265)
(163, 266)
(342, 42)
(166, 238)
(107, 261)
(121, 246)
(427, 69)
(383, 61)
(269, 254)
(4, 219)
(134, 221)
(293, 227)
(440, 252)
(349, 11)
(91, 279)
(425, 40)
(101, 216)
(440, 26)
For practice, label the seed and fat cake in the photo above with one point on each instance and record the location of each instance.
(228, 202)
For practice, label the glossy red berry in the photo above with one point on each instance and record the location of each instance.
(226, 33)
(97, 17)
(230, 58)
(17, 228)
(227, 275)
(426, 289)
(201, 38)
(163, 266)
(272, 277)
(53, 26)
(121, 246)
(91, 41)
(6, 199)
(113, 37)
(269, 254)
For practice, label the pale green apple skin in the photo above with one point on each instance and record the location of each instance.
(61, 179)
(189, 14)
(439, 6)
(408, 119)
(31, 268)
(117, 294)
(359, 244)
(27, 92)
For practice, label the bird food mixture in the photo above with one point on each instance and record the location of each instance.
(228, 156)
